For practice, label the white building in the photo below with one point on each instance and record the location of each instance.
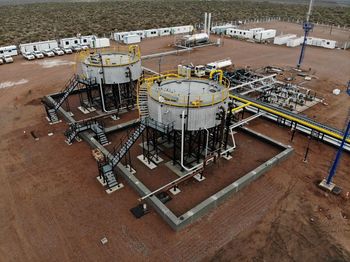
(100, 43)
(164, 31)
(256, 30)
(283, 39)
(131, 39)
(325, 43)
(74, 41)
(185, 29)
(239, 33)
(38, 46)
(264, 35)
(10, 50)
(295, 41)
(151, 33)
(221, 29)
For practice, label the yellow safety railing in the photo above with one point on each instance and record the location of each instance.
(291, 118)
(182, 100)
(133, 52)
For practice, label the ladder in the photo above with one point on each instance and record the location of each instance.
(69, 87)
(142, 100)
(106, 170)
(78, 127)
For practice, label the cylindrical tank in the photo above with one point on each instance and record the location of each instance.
(195, 39)
(200, 99)
(113, 67)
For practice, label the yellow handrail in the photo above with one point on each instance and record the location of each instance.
(212, 72)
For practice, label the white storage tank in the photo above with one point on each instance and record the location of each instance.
(201, 99)
(196, 39)
(114, 67)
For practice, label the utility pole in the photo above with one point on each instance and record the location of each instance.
(307, 26)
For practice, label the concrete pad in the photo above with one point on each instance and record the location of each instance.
(104, 241)
(83, 110)
(175, 192)
(131, 170)
(227, 157)
(326, 186)
(156, 159)
(144, 160)
(100, 179)
(199, 178)
(115, 118)
(115, 188)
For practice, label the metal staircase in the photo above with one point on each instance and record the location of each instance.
(142, 100)
(69, 87)
(77, 127)
(106, 170)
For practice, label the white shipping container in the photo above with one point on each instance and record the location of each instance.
(10, 50)
(100, 43)
(38, 46)
(296, 41)
(132, 39)
(141, 33)
(164, 31)
(239, 33)
(181, 29)
(264, 35)
(151, 33)
(283, 39)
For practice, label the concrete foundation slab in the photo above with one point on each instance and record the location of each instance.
(100, 179)
(199, 177)
(175, 191)
(144, 160)
(326, 186)
(113, 189)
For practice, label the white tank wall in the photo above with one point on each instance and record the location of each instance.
(199, 118)
(113, 74)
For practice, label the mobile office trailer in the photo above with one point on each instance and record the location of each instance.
(331, 44)
(100, 43)
(264, 35)
(38, 46)
(164, 31)
(186, 29)
(131, 39)
(326, 43)
(69, 42)
(140, 33)
(256, 30)
(221, 29)
(283, 39)
(86, 40)
(10, 50)
(295, 41)
(151, 33)
(239, 33)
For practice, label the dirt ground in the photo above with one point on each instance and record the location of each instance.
(53, 209)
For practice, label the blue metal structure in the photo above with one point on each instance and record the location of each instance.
(341, 147)
(307, 27)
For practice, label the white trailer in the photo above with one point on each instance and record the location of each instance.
(131, 39)
(69, 42)
(320, 42)
(186, 29)
(221, 29)
(151, 33)
(283, 39)
(100, 43)
(264, 35)
(239, 33)
(256, 30)
(140, 33)
(295, 41)
(164, 31)
(86, 40)
(10, 50)
(38, 46)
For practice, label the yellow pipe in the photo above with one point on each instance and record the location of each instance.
(291, 118)
(216, 71)
(240, 107)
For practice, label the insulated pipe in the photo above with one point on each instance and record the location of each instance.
(205, 22)
(207, 143)
(103, 101)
